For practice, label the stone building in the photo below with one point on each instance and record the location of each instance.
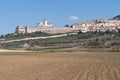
(42, 26)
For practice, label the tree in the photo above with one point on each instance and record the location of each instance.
(118, 30)
(117, 17)
(80, 32)
(2, 36)
(66, 25)
(107, 32)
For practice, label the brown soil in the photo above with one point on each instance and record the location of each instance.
(61, 66)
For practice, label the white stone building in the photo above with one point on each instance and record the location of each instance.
(43, 26)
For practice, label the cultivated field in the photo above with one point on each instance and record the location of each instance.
(60, 66)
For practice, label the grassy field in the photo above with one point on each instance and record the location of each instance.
(60, 66)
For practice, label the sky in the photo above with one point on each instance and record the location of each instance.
(58, 12)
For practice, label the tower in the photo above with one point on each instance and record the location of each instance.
(45, 22)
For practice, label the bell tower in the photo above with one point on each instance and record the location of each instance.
(45, 22)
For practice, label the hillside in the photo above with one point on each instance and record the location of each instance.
(102, 33)
(21, 36)
(81, 40)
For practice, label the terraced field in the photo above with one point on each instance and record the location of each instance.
(61, 66)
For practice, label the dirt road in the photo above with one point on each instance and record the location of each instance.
(33, 38)
(61, 66)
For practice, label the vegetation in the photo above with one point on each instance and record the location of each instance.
(20, 36)
(117, 17)
(87, 40)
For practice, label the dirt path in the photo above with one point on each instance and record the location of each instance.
(61, 66)
(34, 38)
(6, 50)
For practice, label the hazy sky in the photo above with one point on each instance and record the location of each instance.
(59, 12)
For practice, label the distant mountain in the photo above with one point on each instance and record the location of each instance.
(117, 17)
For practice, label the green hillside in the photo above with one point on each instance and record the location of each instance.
(21, 36)
(82, 40)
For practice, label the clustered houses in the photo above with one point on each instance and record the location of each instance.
(92, 25)
(43, 27)
(98, 25)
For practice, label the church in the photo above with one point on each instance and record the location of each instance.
(42, 26)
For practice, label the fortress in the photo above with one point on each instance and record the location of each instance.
(91, 25)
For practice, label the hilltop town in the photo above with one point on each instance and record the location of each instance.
(87, 26)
